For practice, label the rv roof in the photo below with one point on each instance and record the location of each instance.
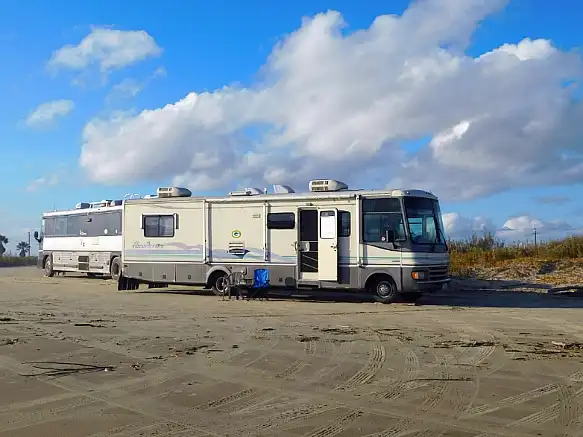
(297, 196)
(83, 210)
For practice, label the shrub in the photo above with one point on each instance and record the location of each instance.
(487, 251)
(18, 261)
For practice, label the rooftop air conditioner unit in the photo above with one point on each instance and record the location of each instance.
(327, 185)
(173, 192)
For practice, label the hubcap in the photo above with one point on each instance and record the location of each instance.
(383, 289)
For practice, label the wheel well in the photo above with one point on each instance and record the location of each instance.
(112, 258)
(375, 277)
(45, 260)
(214, 276)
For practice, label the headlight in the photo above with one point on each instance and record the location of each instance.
(418, 276)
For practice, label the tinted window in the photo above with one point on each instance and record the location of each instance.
(49, 226)
(387, 204)
(74, 225)
(159, 226)
(344, 223)
(281, 220)
(60, 226)
(380, 215)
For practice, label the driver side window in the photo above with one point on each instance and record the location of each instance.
(380, 215)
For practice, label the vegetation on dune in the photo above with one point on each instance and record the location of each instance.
(473, 256)
(17, 261)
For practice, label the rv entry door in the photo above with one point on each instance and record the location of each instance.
(328, 244)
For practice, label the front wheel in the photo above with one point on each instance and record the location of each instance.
(115, 268)
(49, 272)
(384, 291)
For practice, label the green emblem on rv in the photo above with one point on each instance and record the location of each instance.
(236, 233)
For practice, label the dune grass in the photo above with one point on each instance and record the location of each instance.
(17, 261)
(487, 251)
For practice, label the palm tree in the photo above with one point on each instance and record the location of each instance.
(3, 241)
(23, 247)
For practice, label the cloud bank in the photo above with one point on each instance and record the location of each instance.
(344, 105)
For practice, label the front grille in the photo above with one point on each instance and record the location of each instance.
(438, 273)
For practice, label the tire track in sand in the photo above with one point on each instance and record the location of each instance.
(375, 362)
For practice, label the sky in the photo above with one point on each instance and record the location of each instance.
(476, 101)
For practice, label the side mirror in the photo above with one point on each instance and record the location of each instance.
(35, 235)
(389, 236)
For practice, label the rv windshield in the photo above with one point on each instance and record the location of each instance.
(424, 220)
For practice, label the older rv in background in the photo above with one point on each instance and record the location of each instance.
(385, 242)
(86, 239)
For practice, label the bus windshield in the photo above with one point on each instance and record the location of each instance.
(424, 220)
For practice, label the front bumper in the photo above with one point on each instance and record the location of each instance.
(436, 279)
(429, 286)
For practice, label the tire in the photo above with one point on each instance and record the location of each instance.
(218, 284)
(115, 268)
(49, 272)
(384, 290)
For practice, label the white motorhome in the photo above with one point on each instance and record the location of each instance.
(86, 239)
(386, 242)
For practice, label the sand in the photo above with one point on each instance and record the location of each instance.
(176, 362)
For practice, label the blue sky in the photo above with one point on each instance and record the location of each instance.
(205, 46)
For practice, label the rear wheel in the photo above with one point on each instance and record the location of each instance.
(115, 268)
(219, 283)
(49, 272)
(383, 289)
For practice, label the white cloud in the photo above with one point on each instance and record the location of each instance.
(46, 113)
(41, 182)
(129, 87)
(460, 227)
(335, 105)
(519, 228)
(523, 227)
(110, 48)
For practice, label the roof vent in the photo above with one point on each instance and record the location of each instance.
(173, 192)
(247, 192)
(82, 205)
(283, 189)
(327, 185)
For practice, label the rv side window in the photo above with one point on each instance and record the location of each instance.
(281, 220)
(112, 223)
(73, 225)
(49, 227)
(344, 223)
(159, 226)
(60, 226)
